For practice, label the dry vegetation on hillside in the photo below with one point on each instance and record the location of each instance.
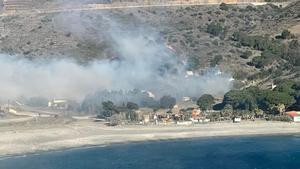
(200, 34)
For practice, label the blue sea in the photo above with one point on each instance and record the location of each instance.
(259, 152)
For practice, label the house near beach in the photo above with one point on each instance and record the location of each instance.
(295, 115)
(59, 104)
(237, 119)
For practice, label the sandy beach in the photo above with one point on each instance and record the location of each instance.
(30, 138)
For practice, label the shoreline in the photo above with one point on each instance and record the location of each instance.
(37, 153)
(83, 135)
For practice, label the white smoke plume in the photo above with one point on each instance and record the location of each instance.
(144, 62)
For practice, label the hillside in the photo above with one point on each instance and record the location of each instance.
(199, 35)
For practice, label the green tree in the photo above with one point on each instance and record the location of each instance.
(266, 58)
(286, 87)
(109, 109)
(132, 106)
(275, 98)
(167, 102)
(240, 99)
(296, 87)
(205, 102)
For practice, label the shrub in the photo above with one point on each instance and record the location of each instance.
(193, 63)
(250, 8)
(286, 34)
(224, 7)
(222, 20)
(280, 118)
(246, 55)
(215, 29)
(167, 102)
(215, 42)
(216, 60)
(271, 49)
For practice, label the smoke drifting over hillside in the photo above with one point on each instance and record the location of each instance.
(143, 62)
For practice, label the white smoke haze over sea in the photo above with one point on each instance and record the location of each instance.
(144, 62)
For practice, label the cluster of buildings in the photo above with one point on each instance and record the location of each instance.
(183, 113)
(187, 112)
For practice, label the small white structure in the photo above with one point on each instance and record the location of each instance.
(189, 73)
(186, 99)
(218, 72)
(273, 86)
(231, 79)
(58, 104)
(200, 120)
(206, 120)
(196, 121)
(296, 119)
(237, 120)
(150, 94)
(184, 123)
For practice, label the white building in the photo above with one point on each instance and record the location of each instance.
(58, 104)
(296, 118)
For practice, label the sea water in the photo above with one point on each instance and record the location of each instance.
(259, 152)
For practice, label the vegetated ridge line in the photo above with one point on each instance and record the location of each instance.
(90, 7)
